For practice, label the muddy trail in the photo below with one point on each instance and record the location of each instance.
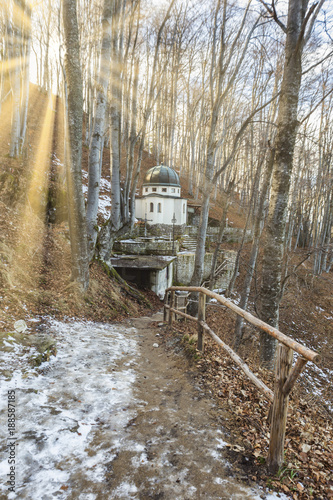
(114, 416)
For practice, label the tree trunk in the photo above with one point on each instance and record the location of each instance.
(97, 142)
(14, 55)
(46, 79)
(25, 83)
(115, 123)
(287, 125)
(259, 223)
(76, 208)
(226, 203)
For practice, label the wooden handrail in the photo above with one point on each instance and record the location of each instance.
(274, 332)
(243, 366)
(260, 385)
(285, 376)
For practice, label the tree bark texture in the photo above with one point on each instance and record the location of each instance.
(287, 125)
(280, 409)
(76, 208)
(97, 142)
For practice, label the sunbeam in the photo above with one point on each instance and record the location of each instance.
(31, 228)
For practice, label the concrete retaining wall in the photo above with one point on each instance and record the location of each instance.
(184, 267)
(161, 280)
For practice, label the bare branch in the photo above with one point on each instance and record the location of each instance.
(272, 12)
(317, 63)
(238, 137)
(316, 106)
(314, 17)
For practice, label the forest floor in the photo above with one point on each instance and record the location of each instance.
(35, 287)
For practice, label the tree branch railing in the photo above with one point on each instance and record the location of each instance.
(285, 375)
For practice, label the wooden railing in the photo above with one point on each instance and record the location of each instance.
(285, 374)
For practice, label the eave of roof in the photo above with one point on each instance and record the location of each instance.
(157, 195)
(142, 261)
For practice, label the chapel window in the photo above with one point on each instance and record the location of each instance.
(159, 208)
(152, 207)
(154, 190)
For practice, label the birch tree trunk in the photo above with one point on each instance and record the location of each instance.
(76, 208)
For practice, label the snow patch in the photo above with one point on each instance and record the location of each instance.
(66, 417)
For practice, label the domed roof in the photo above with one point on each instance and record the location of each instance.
(162, 174)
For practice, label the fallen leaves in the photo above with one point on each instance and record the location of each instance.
(308, 444)
(305, 448)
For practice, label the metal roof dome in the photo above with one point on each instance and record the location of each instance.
(162, 174)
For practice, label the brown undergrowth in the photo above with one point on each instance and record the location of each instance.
(307, 469)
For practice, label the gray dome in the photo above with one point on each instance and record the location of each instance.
(162, 174)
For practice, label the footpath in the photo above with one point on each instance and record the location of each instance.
(113, 416)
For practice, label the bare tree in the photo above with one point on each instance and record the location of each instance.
(97, 136)
(298, 29)
(74, 108)
(222, 78)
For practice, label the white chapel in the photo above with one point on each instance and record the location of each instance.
(160, 202)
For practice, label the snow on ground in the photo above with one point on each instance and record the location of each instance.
(82, 390)
(104, 206)
(104, 203)
(72, 419)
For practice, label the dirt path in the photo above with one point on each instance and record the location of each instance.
(178, 434)
(113, 417)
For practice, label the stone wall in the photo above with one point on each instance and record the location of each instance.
(166, 230)
(223, 280)
(145, 246)
(184, 267)
(231, 234)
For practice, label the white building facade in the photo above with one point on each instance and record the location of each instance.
(160, 202)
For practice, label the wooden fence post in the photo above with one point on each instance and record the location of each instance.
(280, 409)
(165, 310)
(172, 304)
(201, 317)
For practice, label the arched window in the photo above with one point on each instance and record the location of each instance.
(183, 208)
(152, 207)
(159, 208)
